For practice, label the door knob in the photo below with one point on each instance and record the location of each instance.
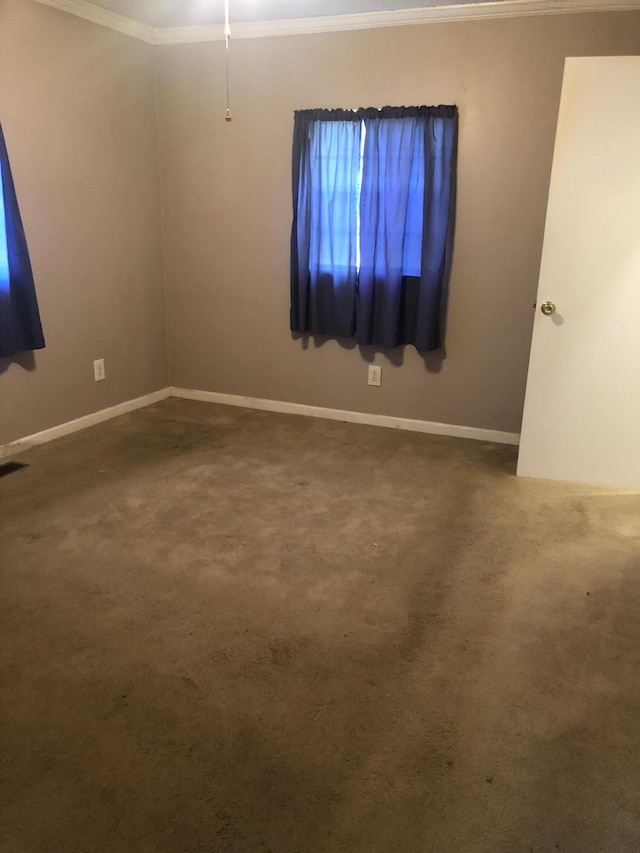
(547, 308)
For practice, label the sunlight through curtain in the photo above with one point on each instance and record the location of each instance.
(373, 213)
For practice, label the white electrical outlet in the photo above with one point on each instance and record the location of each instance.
(375, 374)
(98, 369)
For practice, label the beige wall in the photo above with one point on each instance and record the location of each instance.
(77, 104)
(227, 204)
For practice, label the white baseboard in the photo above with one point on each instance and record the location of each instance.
(58, 431)
(281, 406)
(350, 417)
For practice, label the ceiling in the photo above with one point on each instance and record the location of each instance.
(180, 13)
(169, 21)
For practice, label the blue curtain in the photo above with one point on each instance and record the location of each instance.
(400, 226)
(326, 181)
(20, 327)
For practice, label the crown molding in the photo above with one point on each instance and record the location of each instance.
(336, 23)
(90, 12)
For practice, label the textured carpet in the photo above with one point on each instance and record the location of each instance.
(227, 630)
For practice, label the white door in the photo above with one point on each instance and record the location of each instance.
(581, 418)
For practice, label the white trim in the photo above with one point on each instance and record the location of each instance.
(349, 417)
(22, 444)
(395, 18)
(367, 418)
(98, 15)
(335, 23)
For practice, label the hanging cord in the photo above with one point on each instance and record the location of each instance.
(227, 36)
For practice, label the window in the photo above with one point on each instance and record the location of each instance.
(20, 327)
(373, 198)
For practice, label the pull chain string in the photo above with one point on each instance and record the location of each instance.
(227, 36)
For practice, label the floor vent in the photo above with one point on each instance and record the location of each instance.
(10, 467)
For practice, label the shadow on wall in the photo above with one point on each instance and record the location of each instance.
(432, 360)
(26, 360)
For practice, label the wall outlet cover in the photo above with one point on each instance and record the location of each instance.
(375, 375)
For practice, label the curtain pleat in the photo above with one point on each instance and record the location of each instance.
(20, 327)
(391, 227)
(439, 224)
(324, 233)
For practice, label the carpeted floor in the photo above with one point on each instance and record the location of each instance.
(228, 630)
